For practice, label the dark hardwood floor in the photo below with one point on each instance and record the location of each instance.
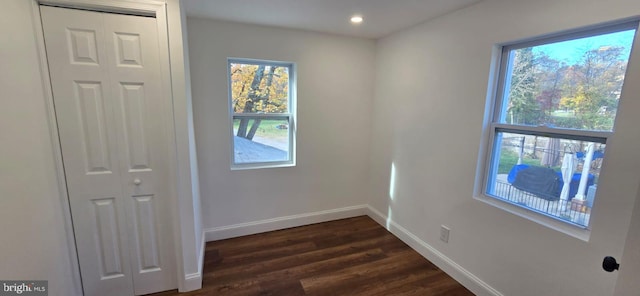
(353, 256)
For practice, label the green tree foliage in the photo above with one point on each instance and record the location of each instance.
(258, 89)
(582, 95)
(523, 107)
(595, 86)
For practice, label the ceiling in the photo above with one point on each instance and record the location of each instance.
(381, 17)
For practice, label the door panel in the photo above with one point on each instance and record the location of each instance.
(107, 238)
(91, 114)
(81, 87)
(83, 46)
(147, 239)
(133, 109)
(111, 117)
(128, 51)
(135, 68)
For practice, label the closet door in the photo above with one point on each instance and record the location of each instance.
(142, 118)
(111, 117)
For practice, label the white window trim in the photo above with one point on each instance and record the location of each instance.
(491, 126)
(290, 116)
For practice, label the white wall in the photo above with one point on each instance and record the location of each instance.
(34, 244)
(430, 95)
(335, 89)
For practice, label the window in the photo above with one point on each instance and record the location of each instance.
(262, 107)
(555, 108)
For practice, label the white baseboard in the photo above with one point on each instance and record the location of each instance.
(193, 281)
(463, 276)
(224, 232)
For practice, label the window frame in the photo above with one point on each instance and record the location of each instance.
(496, 101)
(289, 116)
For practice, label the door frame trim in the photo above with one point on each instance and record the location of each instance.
(158, 9)
(141, 8)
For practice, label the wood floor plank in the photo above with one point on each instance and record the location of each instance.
(278, 238)
(279, 288)
(438, 284)
(240, 282)
(392, 281)
(327, 264)
(354, 256)
(270, 253)
(302, 258)
(344, 281)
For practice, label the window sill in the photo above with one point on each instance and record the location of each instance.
(264, 165)
(549, 222)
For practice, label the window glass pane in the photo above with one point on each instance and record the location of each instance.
(259, 88)
(531, 171)
(571, 84)
(260, 140)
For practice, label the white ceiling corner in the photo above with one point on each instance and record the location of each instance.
(381, 17)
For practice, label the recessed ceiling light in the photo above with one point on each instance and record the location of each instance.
(356, 19)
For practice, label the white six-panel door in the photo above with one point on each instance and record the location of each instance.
(105, 75)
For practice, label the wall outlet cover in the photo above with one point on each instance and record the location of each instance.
(444, 233)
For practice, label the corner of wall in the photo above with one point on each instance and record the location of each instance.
(463, 276)
(254, 227)
(189, 224)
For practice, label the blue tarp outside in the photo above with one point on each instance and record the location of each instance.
(573, 187)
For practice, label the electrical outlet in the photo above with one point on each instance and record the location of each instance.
(444, 233)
